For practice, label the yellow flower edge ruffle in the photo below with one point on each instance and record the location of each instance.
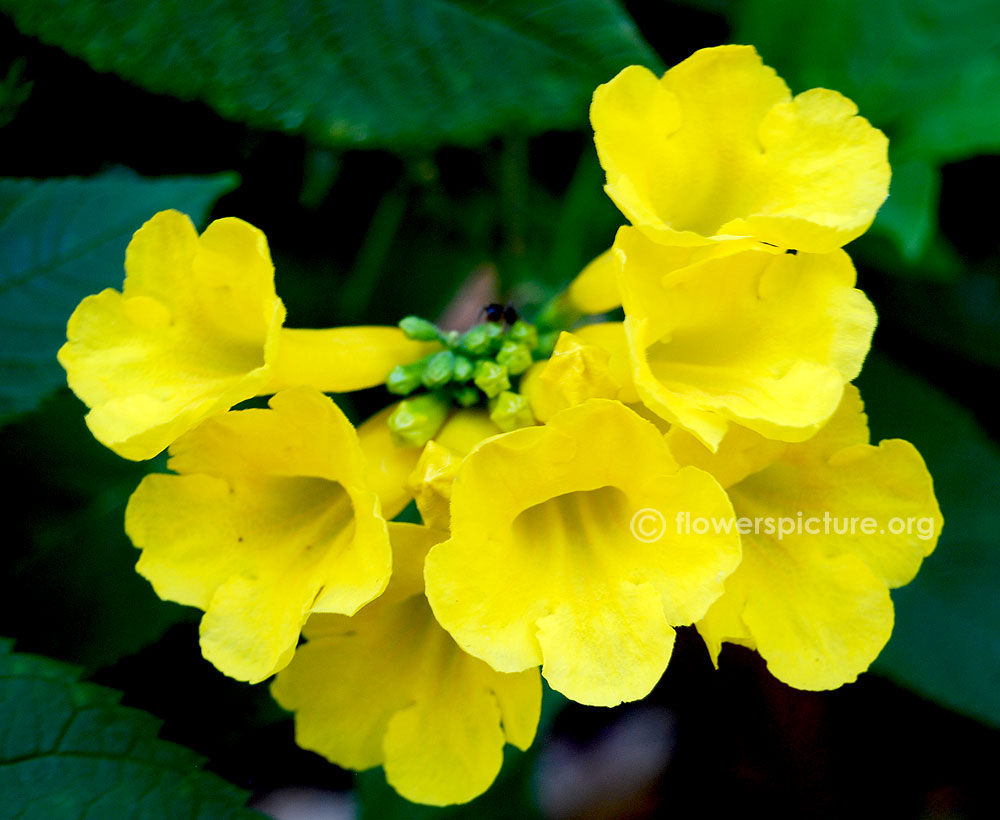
(812, 592)
(191, 334)
(389, 686)
(764, 340)
(269, 518)
(543, 567)
(718, 150)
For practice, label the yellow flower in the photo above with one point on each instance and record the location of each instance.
(764, 340)
(389, 686)
(718, 150)
(543, 567)
(271, 517)
(197, 329)
(830, 526)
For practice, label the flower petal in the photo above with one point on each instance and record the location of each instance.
(437, 718)
(342, 359)
(595, 289)
(574, 373)
(389, 464)
(817, 619)
(828, 174)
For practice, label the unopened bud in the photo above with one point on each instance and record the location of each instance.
(416, 421)
(523, 332)
(439, 369)
(463, 369)
(405, 378)
(419, 329)
(491, 377)
(510, 411)
(515, 357)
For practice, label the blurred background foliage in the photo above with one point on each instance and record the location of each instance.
(397, 152)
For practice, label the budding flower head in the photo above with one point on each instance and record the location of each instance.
(475, 367)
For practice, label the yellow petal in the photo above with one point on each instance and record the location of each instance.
(192, 333)
(830, 525)
(574, 373)
(595, 289)
(839, 472)
(740, 454)
(342, 359)
(717, 150)
(817, 619)
(543, 566)
(430, 482)
(465, 429)
(389, 464)
(389, 686)
(828, 174)
(764, 340)
(610, 336)
(269, 519)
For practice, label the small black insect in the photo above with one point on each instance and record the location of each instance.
(495, 312)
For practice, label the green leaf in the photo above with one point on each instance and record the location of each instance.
(67, 550)
(396, 73)
(68, 751)
(925, 71)
(945, 644)
(962, 316)
(61, 240)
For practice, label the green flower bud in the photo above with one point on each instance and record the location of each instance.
(515, 357)
(480, 340)
(416, 421)
(463, 369)
(419, 329)
(524, 333)
(466, 396)
(405, 378)
(491, 377)
(439, 369)
(509, 411)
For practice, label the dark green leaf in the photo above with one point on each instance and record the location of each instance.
(67, 551)
(61, 240)
(944, 644)
(68, 751)
(925, 71)
(391, 73)
(961, 316)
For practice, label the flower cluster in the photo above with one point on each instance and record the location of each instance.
(529, 449)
